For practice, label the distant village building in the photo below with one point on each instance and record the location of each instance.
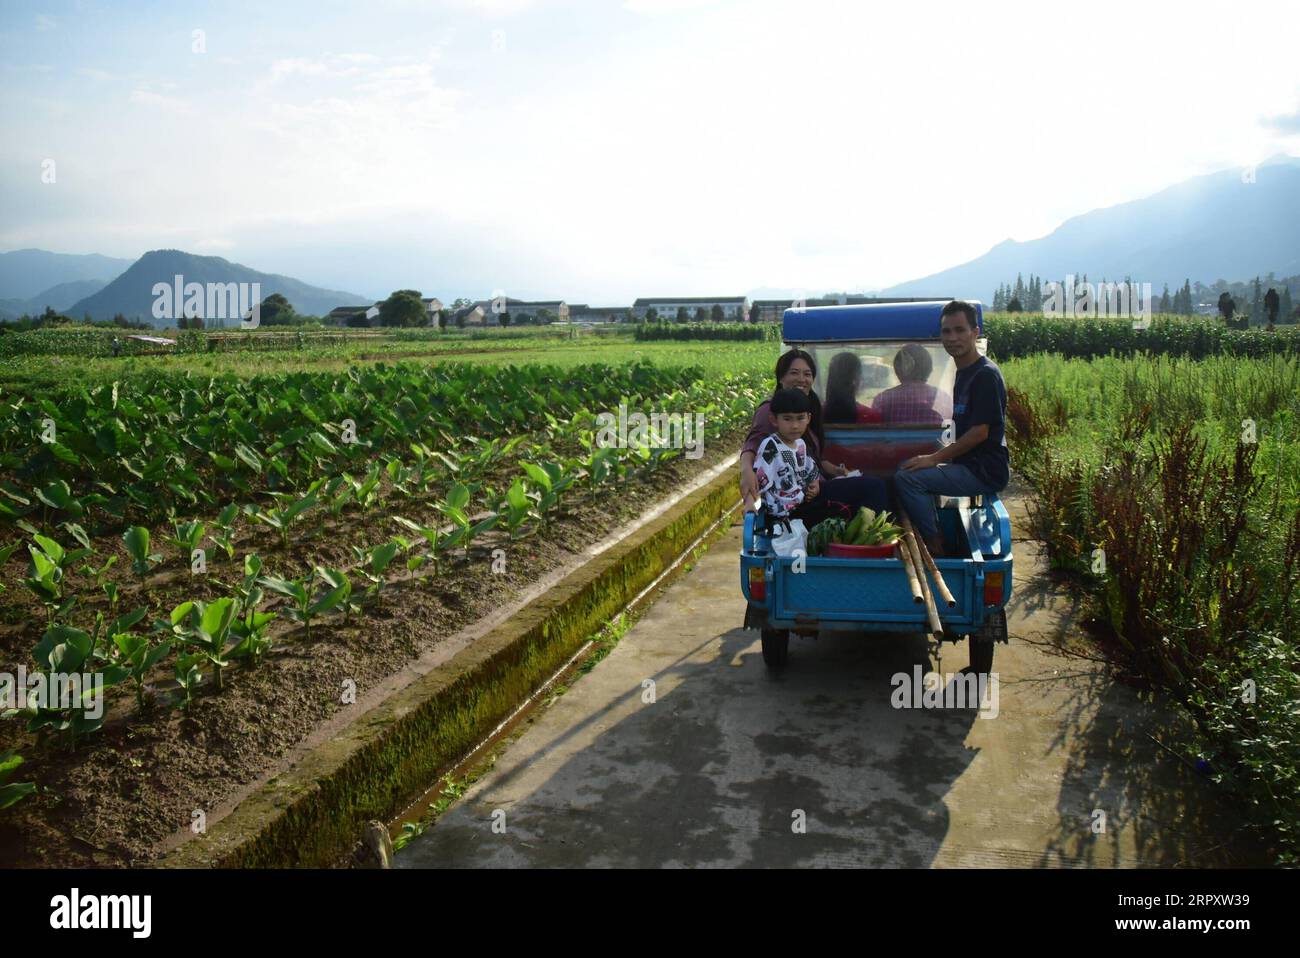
(582, 313)
(432, 306)
(735, 309)
(531, 311)
(471, 315)
(339, 315)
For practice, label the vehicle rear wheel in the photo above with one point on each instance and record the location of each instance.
(776, 647)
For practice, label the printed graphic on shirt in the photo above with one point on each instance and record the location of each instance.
(783, 474)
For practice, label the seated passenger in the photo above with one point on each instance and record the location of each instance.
(913, 400)
(843, 381)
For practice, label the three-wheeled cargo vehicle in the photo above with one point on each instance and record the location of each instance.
(901, 391)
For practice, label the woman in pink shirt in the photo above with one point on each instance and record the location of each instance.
(840, 494)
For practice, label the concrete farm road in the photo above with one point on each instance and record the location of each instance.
(731, 766)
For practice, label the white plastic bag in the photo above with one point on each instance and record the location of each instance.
(789, 536)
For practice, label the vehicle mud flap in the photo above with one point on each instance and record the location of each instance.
(755, 616)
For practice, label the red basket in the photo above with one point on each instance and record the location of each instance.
(840, 550)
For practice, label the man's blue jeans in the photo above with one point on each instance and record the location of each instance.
(917, 488)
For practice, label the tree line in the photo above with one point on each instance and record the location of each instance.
(1259, 302)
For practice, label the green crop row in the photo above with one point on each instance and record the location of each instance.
(736, 332)
(1011, 336)
(150, 446)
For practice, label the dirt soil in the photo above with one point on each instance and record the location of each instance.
(117, 799)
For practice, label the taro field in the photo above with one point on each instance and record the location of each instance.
(220, 552)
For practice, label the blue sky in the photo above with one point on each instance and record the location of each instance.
(600, 151)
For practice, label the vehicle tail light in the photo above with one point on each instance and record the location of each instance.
(993, 588)
(757, 584)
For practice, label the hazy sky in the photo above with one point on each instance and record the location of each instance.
(600, 151)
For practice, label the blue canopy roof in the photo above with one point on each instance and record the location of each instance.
(889, 321)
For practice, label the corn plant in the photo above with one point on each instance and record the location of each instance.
(12, 792)
(136, 540)
(226, 526)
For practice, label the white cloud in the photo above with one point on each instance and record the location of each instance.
(158, 101)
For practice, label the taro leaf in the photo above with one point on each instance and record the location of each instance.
(249, 457)
(381, 556)
(77, 533)
(292, 589)
(538, 475)
(332, 598)
(57, 495)
(124, 623)
(516, 496)
(51, 549)
(62, 649)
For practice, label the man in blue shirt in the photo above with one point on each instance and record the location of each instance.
(976, 464)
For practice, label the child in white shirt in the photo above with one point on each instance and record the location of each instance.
(785, 472)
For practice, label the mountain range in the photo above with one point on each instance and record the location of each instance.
(129, 287)
(1227, 225)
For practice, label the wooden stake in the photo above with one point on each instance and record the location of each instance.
(928, 559)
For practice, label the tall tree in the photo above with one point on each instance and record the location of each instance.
(1165, 304)
(405, 307)
(276, 311)
(1226, 306)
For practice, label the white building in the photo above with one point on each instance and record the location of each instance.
(735, 309)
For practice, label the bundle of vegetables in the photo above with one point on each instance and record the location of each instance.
(867, 528)
(871, 528)
(826, 531)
